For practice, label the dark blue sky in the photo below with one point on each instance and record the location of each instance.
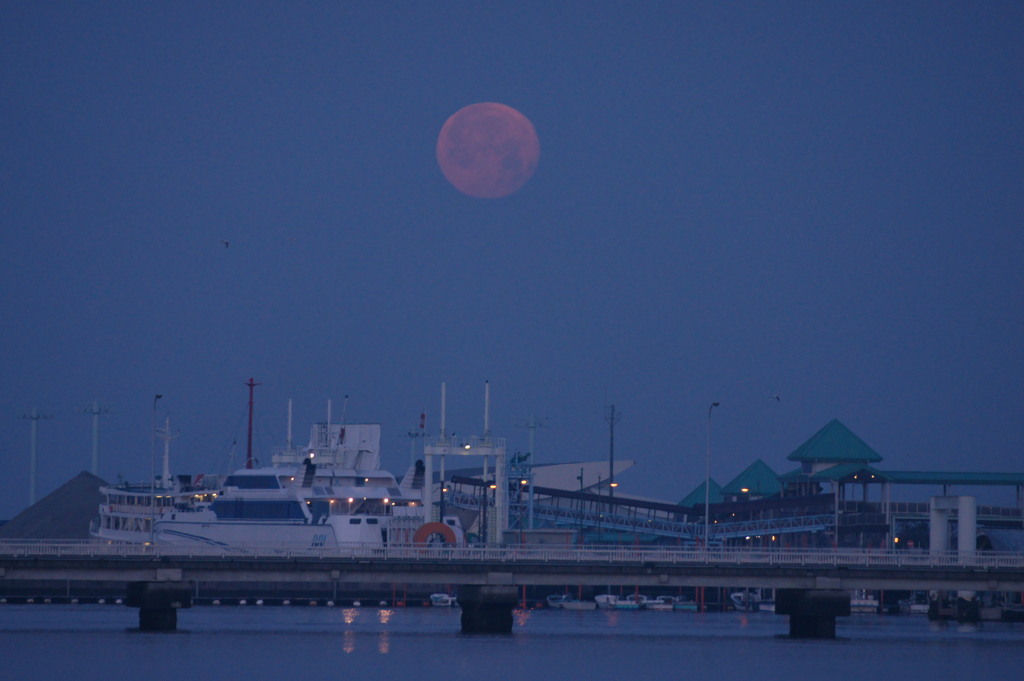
(733, 200)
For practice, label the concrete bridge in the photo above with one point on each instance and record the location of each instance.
(806, 574)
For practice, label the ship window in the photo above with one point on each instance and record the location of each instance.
(355, 521)
(241, 509)
(371, 521)
(252, 482)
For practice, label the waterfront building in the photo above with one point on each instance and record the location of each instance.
(841, 496)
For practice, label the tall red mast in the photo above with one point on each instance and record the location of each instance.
(248, 451)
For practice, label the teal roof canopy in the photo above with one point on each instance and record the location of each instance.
(696, 497)
(758, 480)
(835, 443)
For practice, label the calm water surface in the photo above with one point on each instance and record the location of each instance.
(86, 642)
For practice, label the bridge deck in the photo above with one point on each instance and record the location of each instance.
(520, 565)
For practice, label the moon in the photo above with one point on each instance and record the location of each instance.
(488, 150)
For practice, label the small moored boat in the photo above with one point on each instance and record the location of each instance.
(440, 600)
(613, 602)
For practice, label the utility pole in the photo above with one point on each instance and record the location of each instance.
(97, 410)
(707, 483)
(152, 475)
(579, 536)
(34, 417)
(248, 452)
(612, 418)
(526, 465)
(533, 424)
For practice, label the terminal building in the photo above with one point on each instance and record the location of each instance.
(846, 498)
(838, 495)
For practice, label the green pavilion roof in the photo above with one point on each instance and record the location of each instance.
(835, 443)
(757, 480)
(696, 497)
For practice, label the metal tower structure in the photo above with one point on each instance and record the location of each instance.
(532, 425)
(34, 416)
(490, 448)
(96, 410)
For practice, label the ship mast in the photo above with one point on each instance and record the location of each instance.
(248, 450)
(166, 435)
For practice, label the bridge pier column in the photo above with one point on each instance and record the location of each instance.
(487, 609)
(968, 609)
(158, 603)
(962, 607)
(812, 613)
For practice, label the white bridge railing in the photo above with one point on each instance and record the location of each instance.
(512, 554)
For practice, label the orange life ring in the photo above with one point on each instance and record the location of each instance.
(434, 534)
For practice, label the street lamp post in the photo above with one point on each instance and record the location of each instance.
(612, 419)
(152, 476)
(493, 501)
(579, 538)
(707, 483)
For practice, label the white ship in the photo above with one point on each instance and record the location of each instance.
(127, 511)
(331, 493)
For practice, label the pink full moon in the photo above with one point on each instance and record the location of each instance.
(488, 150)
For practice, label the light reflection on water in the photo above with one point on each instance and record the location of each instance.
(97, 642)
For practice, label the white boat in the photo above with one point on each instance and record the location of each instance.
(127, 511)
(639, 600)
(662, 603)
(674, 603)
(752, 600)
(440, 600)
(567, 602)
(331, 493)
(863, 602)
(917, 604)
(613, 602)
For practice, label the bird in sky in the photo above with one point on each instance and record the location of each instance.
(776, 398)
(226, 244)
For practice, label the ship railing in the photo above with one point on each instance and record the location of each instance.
(721, 556)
